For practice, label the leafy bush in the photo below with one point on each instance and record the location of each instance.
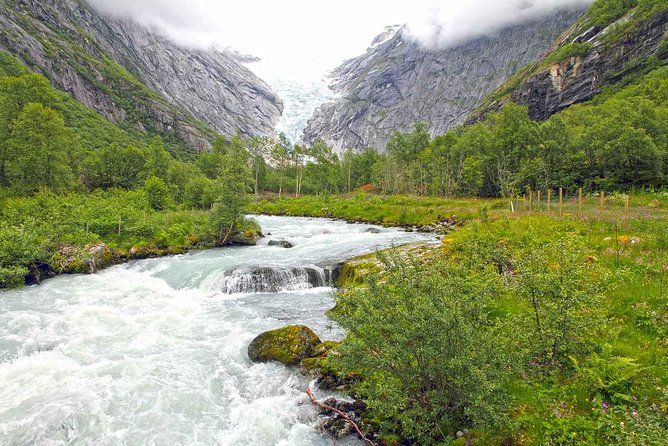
(563, 290)
(431, 357)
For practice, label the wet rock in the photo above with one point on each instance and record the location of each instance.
(273, 280)
(244, 239)
(373, 231)
(332, 272)
(288, 345)
(282, 243)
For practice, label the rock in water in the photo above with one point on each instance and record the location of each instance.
(281, 243)
(288, 345)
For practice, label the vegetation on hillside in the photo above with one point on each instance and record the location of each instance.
(617, 18)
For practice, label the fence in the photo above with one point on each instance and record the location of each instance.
(615, 208)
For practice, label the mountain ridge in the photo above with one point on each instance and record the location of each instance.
(398, 82)
(136, 78)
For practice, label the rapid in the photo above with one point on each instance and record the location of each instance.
(154, 352)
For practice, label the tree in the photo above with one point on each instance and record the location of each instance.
(280, 156)
(157, 160)
(115, 166)
(260, 151)
(563, 291)
(15, 94)
(39, 149)
(157, 193)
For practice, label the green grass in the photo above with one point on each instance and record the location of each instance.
(566, 51)
(401, 210)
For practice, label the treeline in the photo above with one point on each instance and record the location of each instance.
(615, 143)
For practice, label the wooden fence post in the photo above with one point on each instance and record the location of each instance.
(602, 205)
(627, 209)
(549, 201)
(538, 201)
(580, 203)
(530, 200)
(561, 202)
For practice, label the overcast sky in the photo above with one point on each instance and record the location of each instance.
(303, 39)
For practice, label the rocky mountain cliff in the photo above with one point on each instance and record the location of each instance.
(135, 77)
(398, 82)
(586, 59)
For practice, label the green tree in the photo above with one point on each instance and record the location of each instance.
(39, 149)
(259, 150)
(431, 357)
(157, 193)
(115, 166)
(158, 160)
(563, 291)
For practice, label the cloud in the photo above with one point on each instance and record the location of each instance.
(454, 23)
(303, 39)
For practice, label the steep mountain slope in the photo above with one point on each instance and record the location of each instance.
(602, 48)
(135, 77)
(398, 82)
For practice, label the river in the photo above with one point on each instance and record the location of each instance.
(153, 352)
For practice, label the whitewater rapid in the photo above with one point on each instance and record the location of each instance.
(154, 352)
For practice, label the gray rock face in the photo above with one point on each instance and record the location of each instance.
(131, 75)
(398, 82)
(578, 79)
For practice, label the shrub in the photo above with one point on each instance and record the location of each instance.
(431, 357)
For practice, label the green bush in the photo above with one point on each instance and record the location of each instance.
(430, 356)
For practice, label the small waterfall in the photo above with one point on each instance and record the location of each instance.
(273, 280)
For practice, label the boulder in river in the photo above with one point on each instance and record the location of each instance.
(373, 231)
(288, 345)
(247, 238)
(281, 243)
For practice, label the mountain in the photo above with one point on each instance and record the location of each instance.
(136, 78)
(398, 82)
(605, 47)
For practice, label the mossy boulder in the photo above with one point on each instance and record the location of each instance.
(288, 345)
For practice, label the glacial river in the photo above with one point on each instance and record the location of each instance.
(154, 352)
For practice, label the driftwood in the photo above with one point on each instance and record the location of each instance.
(340, 413)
